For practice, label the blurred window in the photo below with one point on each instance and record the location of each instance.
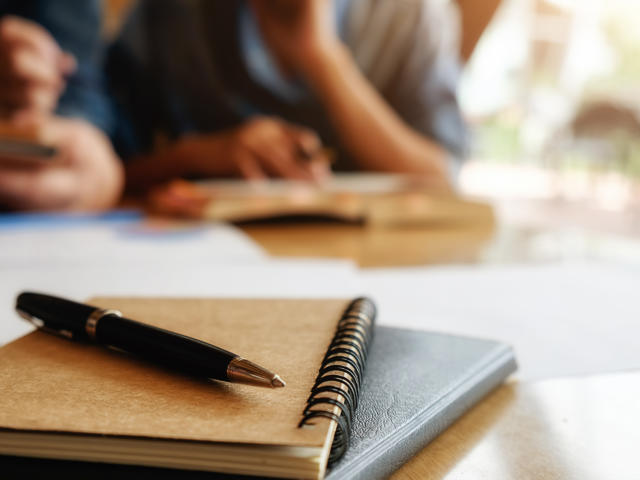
(554, 88)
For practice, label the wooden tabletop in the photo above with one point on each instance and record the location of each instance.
(574, 428)
(375, 246)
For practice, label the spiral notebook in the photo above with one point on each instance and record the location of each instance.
(66, 400)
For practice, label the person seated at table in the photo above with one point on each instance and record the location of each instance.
(35, 105)
(220, 88)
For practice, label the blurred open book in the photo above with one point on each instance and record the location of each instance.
(372, 198)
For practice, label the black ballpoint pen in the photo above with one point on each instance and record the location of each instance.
(79, 321)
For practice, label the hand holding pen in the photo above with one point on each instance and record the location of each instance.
(260, 148)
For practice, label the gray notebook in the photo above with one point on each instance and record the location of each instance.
(416, 384)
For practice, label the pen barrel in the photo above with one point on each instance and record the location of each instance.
(170, 349)
(56, 314)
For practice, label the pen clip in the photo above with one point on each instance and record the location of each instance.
(40, 325)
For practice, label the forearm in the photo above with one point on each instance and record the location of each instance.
(475, 16)
(373, 133)
(182, 158)
(144, 171)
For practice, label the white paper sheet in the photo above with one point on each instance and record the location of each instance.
(123, 243)
(562, 319)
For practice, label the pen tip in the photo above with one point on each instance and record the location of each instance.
(241, 370)
(277, 382)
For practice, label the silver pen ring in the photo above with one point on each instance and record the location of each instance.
(94, 318)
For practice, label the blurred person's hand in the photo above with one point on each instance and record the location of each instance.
(264, 147)
(297, 31)
(260, 148)
(33, 68)
(85, 175)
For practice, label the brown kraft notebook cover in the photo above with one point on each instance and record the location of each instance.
(68, 400)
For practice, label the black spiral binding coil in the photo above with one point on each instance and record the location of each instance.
(341, 373)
